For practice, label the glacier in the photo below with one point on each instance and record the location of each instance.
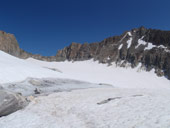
(84, 94)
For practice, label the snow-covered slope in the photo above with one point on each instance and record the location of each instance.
(13, 69)
(94, 72)
(122, 97)
(91, 108)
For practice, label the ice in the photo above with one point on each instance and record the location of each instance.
(80, 109)
(45, 86)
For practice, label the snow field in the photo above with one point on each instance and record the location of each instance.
(133, 109)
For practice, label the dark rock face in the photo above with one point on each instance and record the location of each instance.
(149, 47)
(10, 102)
(158, 37)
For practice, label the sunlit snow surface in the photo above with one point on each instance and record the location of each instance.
(102, 73)
(129, 108)
(105, 96)
(13, 69)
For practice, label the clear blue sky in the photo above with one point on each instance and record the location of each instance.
(44, 26)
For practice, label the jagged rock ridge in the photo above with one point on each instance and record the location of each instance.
(149, 47)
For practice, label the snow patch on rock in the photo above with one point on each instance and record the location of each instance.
(129, 42)
(149, 46)
(129, 33)
(141, 42)
(120, 46)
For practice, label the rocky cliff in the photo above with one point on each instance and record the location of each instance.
(9, 44)
(149, 47)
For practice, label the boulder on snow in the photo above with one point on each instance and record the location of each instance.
(10, 102)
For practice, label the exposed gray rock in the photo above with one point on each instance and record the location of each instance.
(9, 44)
(108, 100)
(10, 102)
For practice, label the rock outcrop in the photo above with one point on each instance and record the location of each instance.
(10, 102)
(9, 44)
(149, 47)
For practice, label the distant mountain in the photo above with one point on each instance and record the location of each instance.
(149, 47)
